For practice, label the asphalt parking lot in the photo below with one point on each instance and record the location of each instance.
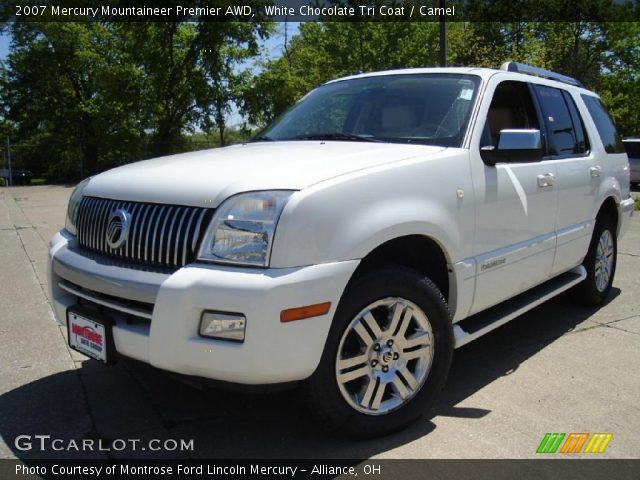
(559, 368)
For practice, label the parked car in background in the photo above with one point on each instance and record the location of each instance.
(632, 146)
(383, 221)
(19, 176)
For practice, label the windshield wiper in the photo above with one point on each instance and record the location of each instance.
(261, 138)
(336, 136)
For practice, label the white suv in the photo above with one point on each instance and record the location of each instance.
(383, 221)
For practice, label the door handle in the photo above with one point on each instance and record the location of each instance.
(546, 180)
(595, 171)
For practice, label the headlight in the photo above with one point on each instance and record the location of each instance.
(74, 205)
(242, 229)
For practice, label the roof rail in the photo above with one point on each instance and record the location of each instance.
(540, 72)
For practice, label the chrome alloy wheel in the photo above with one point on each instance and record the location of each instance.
(604, 260)
(384, 356)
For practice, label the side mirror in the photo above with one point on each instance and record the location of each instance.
(514, 145)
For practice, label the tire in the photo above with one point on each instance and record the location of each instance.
(399, 361)
(600, 263)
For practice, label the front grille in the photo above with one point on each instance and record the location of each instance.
(163, 235)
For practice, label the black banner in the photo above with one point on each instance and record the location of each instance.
(582, 469)
(324, 10)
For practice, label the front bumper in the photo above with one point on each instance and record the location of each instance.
(272, 352)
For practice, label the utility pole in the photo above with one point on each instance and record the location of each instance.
(10, 179)
(443, 36)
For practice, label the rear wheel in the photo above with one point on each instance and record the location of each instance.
(600, 264)
(387, 355)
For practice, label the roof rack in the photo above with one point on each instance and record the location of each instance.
(539, 72)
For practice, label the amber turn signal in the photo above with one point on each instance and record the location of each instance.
(300, 313)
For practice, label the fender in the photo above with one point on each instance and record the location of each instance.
(609, 188)
(328, 223)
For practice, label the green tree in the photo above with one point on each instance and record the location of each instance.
(326, 50)
(65, 87)
(227, 47)
(620, 82)
(91, 95)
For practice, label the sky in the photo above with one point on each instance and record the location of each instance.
(275, 43)
(4, 46)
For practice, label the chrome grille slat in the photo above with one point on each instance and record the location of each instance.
(93, 225)
(80, 227)
(176, 248)
(162, 216)
(196, 232)
(161, 235)
(171, 234)
(87, 219)
(153, 220)
(82, 215)
(186, 238)
(103, 214)
(141, 232)
(104, 219)
(129, 245)
(119, 205)
(79, 223)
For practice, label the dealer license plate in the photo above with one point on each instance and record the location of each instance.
(87, 336)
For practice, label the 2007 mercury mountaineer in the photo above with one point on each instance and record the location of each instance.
(383, 221)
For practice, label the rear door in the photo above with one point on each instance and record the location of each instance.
(578, 174)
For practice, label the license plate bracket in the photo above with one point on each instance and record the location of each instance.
(90, 333)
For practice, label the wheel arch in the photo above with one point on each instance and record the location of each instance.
(610, 208)
(419, 252)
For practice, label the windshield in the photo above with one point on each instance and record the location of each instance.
(430, 109)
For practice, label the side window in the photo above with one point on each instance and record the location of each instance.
(606, 129)
(564, 127)
(582, 140)
(511, 107)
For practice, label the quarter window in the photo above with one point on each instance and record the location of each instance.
(606, 129)
(633, 148)
(565, 132)
(582, 141)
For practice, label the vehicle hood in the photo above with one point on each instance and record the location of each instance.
(208, 177)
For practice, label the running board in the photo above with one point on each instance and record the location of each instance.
(477, 325)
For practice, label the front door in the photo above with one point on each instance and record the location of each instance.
(516, 204)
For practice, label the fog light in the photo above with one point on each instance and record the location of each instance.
(224, 326)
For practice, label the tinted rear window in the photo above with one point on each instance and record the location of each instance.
(632, 148)
(606, 129)
(564, 126)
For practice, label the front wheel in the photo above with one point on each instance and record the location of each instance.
(387, 355)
